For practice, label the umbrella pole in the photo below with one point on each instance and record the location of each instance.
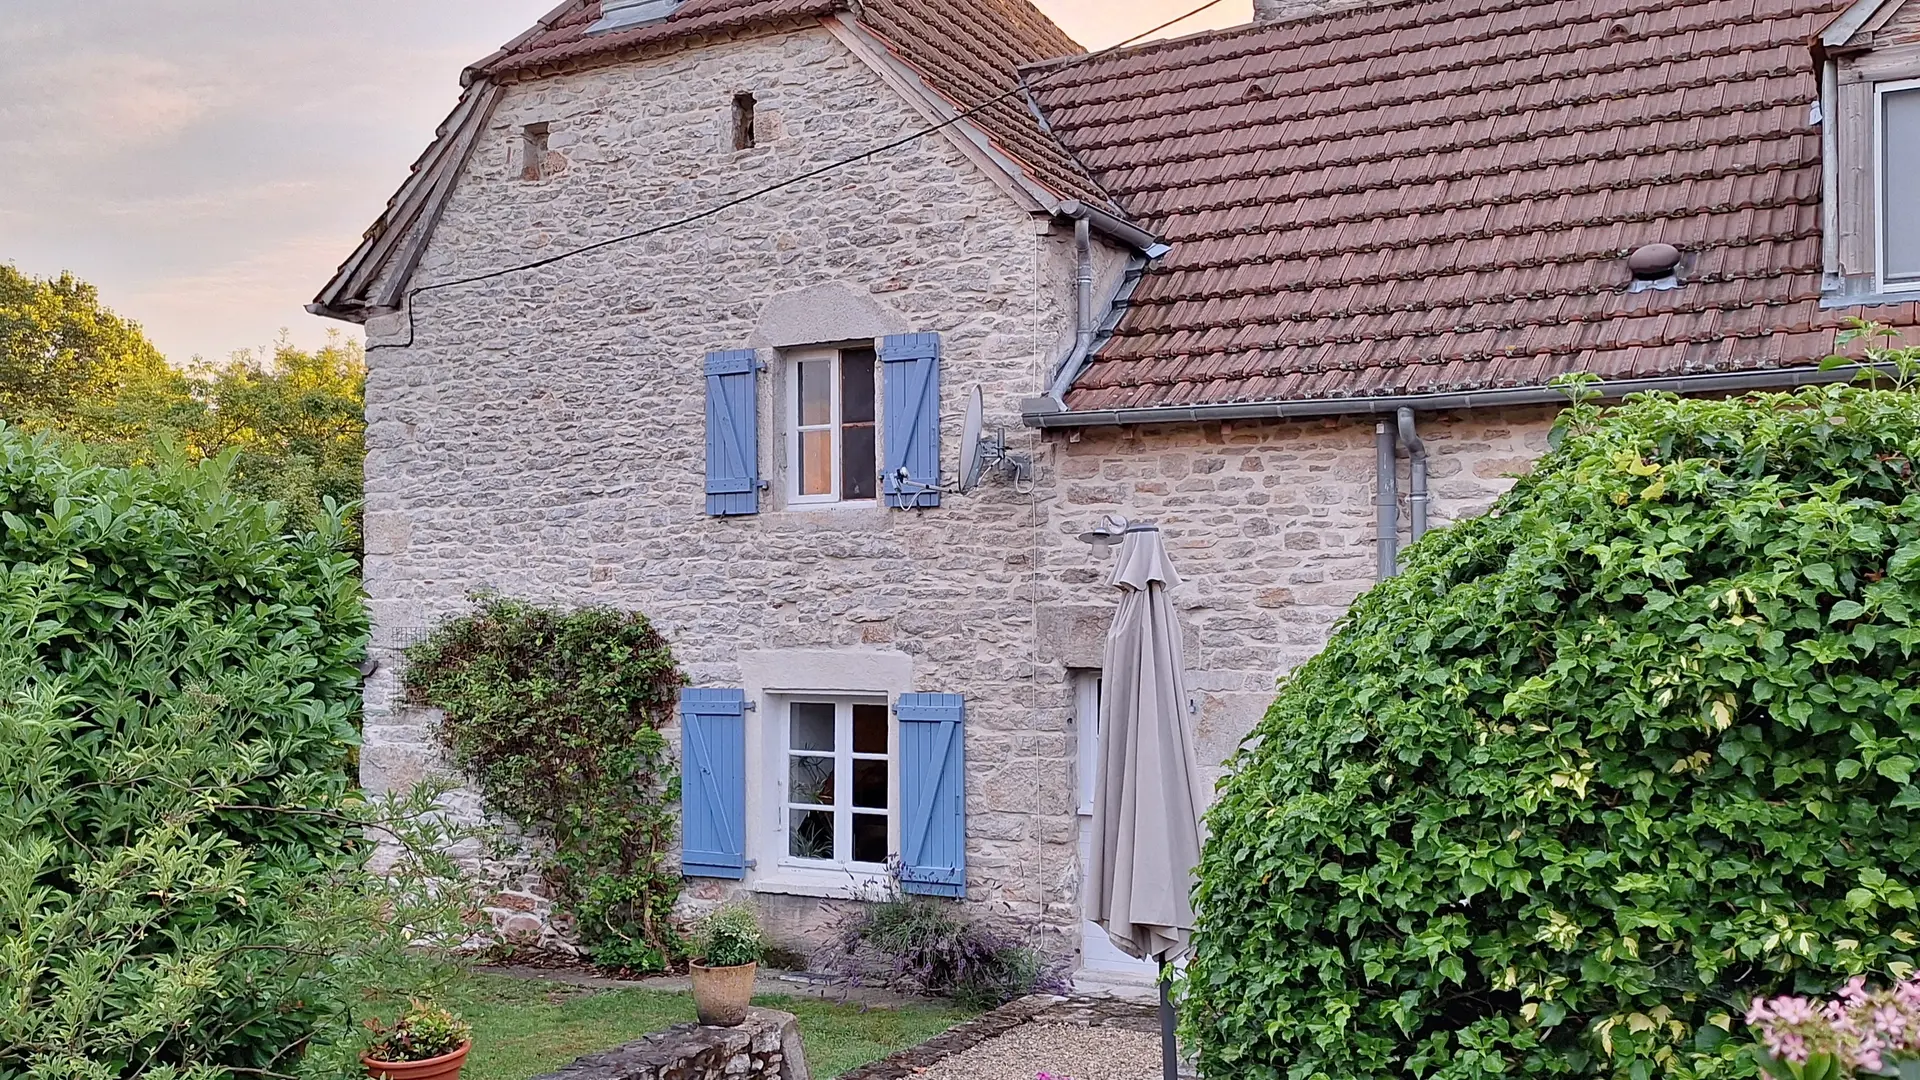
(1169, 1048)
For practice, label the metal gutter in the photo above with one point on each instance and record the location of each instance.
(1085, 347)
(1113, 228)
(1036, 414)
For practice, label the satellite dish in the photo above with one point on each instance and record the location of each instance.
(972, 460)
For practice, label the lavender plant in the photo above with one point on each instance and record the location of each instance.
(922, 945)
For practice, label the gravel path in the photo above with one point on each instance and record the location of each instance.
(1083, 1053)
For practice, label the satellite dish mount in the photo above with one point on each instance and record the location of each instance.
(980, 455)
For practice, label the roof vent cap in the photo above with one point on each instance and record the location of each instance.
(1650, 262)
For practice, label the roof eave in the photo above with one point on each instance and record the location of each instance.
(1049, 413)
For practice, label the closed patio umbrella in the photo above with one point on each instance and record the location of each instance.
(1147, 800)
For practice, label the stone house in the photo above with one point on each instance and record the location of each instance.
(682, 310)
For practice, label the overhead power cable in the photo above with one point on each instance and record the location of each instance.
(740, 200)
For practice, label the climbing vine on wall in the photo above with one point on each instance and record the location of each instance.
(556, 714)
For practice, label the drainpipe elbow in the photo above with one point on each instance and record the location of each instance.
(1417, 497)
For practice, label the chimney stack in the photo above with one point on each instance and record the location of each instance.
(1265, 11)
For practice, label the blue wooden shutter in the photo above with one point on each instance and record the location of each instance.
(713, 783)
(912, 366)
(933, 794)
(733, 433)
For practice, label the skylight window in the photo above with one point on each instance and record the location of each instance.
(622, 14)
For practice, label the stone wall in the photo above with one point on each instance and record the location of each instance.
(766, 1047)
(542, 435)
(1271, 526)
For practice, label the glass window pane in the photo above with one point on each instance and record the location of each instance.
(1900, 200)
(810, 781)
(870, 784)
(856, 386)
(870, 729)
(857, 462)
(816, 392)
(870, 838)
(810, 834)
(812, 725)
(816, 462)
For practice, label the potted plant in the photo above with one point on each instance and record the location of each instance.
(1857, 1033)
(426, 1043)
(726, 950)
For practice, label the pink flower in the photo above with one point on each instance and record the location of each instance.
(1855, 992)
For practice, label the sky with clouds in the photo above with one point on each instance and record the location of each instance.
(207, 163)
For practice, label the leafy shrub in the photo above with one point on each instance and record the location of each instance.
(182, 888)
(921, 945)
(729, 937)
(1598, 767)
(421, 1033)
(556, 714)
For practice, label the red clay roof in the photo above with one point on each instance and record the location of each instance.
(1439, 195)
(968, 51)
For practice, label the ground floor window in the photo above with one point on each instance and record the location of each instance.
(839, 784)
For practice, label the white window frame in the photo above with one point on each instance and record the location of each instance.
(1086, 715)
(1880, 91)
(835, 425)
(843, 862)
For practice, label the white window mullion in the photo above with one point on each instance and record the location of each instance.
(839, 481)
(843, 783)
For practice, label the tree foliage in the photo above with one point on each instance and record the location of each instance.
(557, 714)
(182, 881)
(1598, 767)
(59, 349)
(294, 420)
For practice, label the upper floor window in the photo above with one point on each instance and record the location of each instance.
(534, 147)
(831, 452)
(743, 121)
(1897, 114)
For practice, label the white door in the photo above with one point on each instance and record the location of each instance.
(1103, 967)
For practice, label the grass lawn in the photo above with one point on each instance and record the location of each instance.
(525, 1027)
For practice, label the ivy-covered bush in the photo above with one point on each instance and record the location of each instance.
(556, 713)
(1600, 766)
(182, 883)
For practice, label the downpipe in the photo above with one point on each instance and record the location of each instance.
(1417, 499)
(1083, 280)
(1386, 501)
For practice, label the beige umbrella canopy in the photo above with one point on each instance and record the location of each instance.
(1147, 797)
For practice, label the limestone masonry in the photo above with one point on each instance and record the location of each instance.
(542, 435)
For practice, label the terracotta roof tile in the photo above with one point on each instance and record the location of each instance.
(1438, 195)
(968, 51)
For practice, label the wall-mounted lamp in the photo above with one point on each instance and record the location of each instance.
(1106, 535)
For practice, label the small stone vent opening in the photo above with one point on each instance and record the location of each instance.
(533, 152)
(744, 110)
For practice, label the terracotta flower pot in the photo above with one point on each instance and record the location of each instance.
(444, 1067)
(721, 994)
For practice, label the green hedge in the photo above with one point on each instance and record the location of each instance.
(178, 701)
(1639, 743)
